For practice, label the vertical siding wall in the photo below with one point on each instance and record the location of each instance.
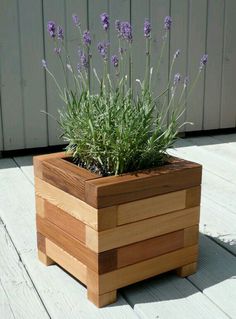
(199, 26)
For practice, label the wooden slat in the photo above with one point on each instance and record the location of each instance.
(69, 224)
(65, 260)
(141, 230)
(193, 196)
(145, 269)
(66, 176)
(68, 243)
(191, 235)
(115, 190)
(150, 207)
(68, 203)
(149, 248)
(39, 159)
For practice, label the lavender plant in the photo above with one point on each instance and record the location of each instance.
(123, 127)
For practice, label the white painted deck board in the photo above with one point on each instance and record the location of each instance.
(22, 297)
(26, 165)
(5, 309)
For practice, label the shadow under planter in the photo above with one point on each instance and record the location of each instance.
(110, 232)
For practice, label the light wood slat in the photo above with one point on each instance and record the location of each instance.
(227, 111)
(145, 269)
(65, 260)
(50, 282)
(11, 77)
(134, 232)
(196, 48)
(33, 79)
(23, 298)
(193, 196)
(215, 40)
(171, 297)
(150, 207)
(70, 204)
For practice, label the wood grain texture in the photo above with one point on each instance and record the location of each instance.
(67, 261)
(193, 196)
(149, 248)
(102, 300)
(68, 203)
(150, 207)
(47, 261)
(66, 176)
(141, 230)
(143, 270)
(191, 235)
(115, 190)
(66, 222)
(187, 270)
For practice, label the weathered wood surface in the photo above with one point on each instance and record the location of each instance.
(167, 296)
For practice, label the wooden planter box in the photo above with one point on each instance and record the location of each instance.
(110, 232)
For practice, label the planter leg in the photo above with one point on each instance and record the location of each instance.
(102, 300)
(45, 259)
(187, 270)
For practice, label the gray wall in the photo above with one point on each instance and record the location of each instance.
(198, 26)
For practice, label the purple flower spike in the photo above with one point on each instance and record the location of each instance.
(83, 60)
(60, 33)
(75, 19)
(167, 23)
(115, 61)
(147, 28)
(117, 26)
(57, 50)
(103, 48)
(86, 38)
(105, 21)
(177, 53)
(203, 61)
(44, 63)
(52, 29)
(126, 31)
(177, 78)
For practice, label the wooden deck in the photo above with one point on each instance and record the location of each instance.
(28, 289)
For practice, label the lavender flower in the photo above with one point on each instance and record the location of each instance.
(83, 60)
(203, 61)
(147, 28)
(177, 53)
(117, 26)
(60, 33)
(186, 81)
(167, 23)
(115, 61)
(103, 48)
(44, 63)
(57, 50)
(177, 78)
(79, 67)
(75, 19)
(126, 31)
(86, 38)
(105, 21)
(52, 29)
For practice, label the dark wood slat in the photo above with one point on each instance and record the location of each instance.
(66, 222)
(115, 190)
(149, 248)
(41, 243)
(66, 176)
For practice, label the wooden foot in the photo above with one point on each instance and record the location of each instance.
(187, 270)
(102, 300)
(45, 259)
